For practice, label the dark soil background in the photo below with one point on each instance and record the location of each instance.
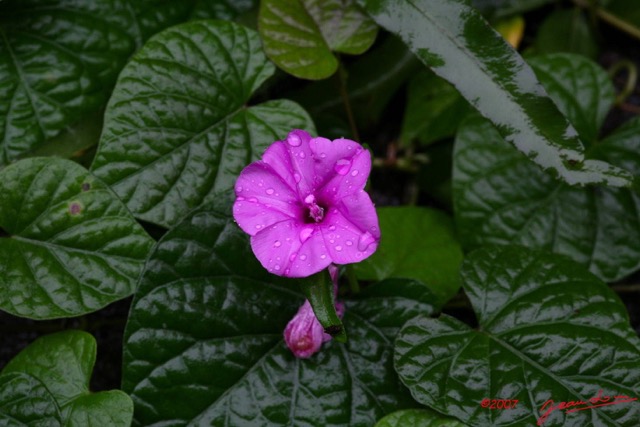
(390, 188)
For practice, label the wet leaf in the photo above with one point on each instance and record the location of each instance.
(300, 36)
(417, 243)
(180, 109)
(418, 418)
(500, 197)
(47, 383)
(549, 331)
(204, 342)
(496, 81)
(72, 246)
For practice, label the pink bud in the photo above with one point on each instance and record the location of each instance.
(304, 335)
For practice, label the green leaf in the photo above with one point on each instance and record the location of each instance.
(580, 88)
(499, 197)
(567, 30)
(418, 418)
(26, 401)
(221, 9)
(72, 247)
(434, 110)
(180, 110)
(61, 364)
(549, 330)
(417, 243)
(300, 35)
(204, 341)
(319, 291)
(450, 36)
(59, 60)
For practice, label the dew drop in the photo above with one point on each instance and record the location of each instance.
(338, 248)
(252, 200)
(258, 227)
(239, 189)
(323, 155)
(323, 256)
(354, 172)
(287, 271)
(302, 155)
(305, 234)
(349, 243)
(293, 256)
(332, 228)
(277, 267)
(365, 241)
(239, 198)
(332, 241)
(303, 257)
(277, 244)
(270, 191)
(310, 199)
(294, 140)
(297, 177)
(342, 166)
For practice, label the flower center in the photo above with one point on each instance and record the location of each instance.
(315, 211)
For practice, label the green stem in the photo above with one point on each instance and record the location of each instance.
(632, 78)
(353, 279)
(611, 19)
(342, 75)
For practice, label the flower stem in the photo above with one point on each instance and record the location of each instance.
(342, 76)
(353, 279)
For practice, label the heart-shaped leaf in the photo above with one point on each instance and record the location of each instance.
(47, 383)
(417, 243)
(60, 59)
(499, 197)
(204, 342)
(72, 246)
(300, 35)
(418, 418)
(549, 331)
(450, 36)
(179, 112)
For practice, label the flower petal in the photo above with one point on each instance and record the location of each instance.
(344, 168)
(350, 229)
(293, 160)
(263, 199)
(291, 248)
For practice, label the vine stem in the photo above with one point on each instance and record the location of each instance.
(610, 18)
(342, 76)
(632, 78)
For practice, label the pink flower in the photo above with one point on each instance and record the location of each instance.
(304, 335)
(305, 207)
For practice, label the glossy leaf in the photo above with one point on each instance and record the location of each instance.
(568, 31)
(180, 110)
(26, 401)
(72, 247)
(221, 9)
(499, 197)
(204, 341)
(52, 377)
(418, 418)
(300, 35)
(59, 61)
(549, 330)
(417, 243)
(501, 8)
(496, 81)
(580, 88)
(434, 110)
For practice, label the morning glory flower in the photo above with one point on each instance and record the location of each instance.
(305, 207)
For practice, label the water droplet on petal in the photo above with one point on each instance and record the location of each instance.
(338, 248)
(302, 155)
(287, 271)
(270, 191)
(294, 140)
(293, 256)
(239, 189)
(277, 267)
(349, 243)
(323, 256)
(365, 240)
(323, 155)
(309, 199)
(253, 200)
(305, 234)
(332, 228)
(342, 166)
(303, 257)
(277, 244)
(354, 172)
(239, 198)
(297, 177)
(258, 227)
